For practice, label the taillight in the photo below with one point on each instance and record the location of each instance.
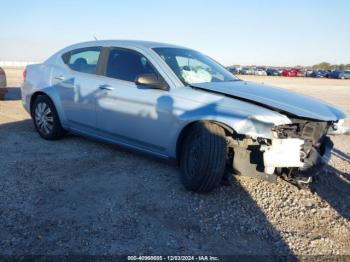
(25, 74)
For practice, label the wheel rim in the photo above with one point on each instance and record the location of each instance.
(43, 118)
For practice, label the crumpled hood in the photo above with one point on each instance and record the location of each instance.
(277, 99)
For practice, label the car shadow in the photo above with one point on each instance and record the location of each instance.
(343, 156)
(333, 186)
(140, 207)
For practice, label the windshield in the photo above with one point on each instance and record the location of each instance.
(192, 67)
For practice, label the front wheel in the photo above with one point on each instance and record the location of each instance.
(46, 119)
(203, 157)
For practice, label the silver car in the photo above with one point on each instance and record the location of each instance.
(260, 72)
(176, 103)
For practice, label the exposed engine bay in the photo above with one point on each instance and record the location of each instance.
(296, 149)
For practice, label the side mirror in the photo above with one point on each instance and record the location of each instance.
(152, 81)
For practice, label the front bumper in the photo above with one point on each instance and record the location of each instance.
(286, 153)
(314, 164)
(284, 157)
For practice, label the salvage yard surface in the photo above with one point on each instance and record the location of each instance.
(78, 196)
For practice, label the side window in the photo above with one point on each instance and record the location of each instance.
(83, 60)
(127, 65)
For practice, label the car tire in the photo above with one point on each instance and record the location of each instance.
(203, 157)
(46, 120)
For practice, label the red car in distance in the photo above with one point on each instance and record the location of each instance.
(290, 72)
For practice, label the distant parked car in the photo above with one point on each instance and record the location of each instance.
(247, 71)
(260, 71)
(301, 73)
(339, 74)
(319, 73)
(2, 83)
(272, 72)
(233, 70)
(290, 72)
(308, 73)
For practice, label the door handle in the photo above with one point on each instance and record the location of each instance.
(106, 87)
(60, 78)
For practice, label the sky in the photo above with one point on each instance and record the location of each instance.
(259, 32)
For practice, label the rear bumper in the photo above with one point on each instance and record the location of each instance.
(26, 96)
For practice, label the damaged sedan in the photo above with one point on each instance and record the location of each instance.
(176, 103)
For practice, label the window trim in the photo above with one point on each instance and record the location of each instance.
(66, 56)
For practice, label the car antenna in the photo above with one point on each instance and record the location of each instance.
(95, 38)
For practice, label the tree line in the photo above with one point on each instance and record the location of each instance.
(328, 66)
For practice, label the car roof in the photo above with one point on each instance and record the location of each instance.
(132, 44)
(124, 43)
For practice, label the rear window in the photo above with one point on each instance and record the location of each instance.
(83, 60)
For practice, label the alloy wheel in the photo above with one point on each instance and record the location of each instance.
(43, 118)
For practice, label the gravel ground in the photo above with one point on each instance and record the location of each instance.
(78, 196)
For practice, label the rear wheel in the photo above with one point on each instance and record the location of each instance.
(46, 119)
(203, 157)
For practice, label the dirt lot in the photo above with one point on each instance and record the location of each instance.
(77, 196)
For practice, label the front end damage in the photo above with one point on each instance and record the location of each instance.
(296, 152)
